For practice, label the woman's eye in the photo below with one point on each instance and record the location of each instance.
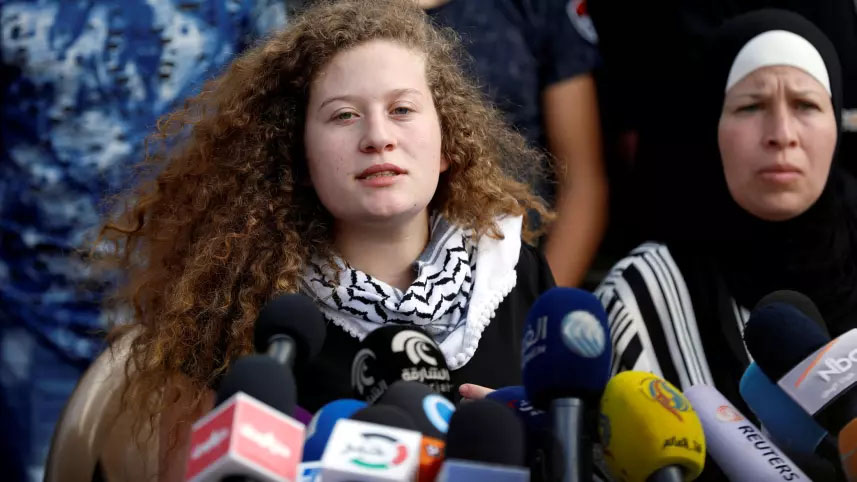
(345, 116)
(806, 105)
(402, 111)
(750, 107)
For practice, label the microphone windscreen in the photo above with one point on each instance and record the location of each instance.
(566, 347)
(296, 316)
(515, 397)
(486, 431)
(779, 336)
(395, 352)
(385, 415)
(430, 411)
(262, 378)
(797, 300)
(319, 428)
(647, 424)
(789, 426)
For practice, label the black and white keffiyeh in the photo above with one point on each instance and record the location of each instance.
(459, 284)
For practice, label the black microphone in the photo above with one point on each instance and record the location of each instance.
(797, 300)
(290, 329)
(393, 353)
(385, 415)
(486, 431)
(485, 442)
(263, 379)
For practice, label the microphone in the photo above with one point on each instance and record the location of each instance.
(788, 425)
(430, 411)
(371, 446)
(485, 442)
(319, 428)
(649, 430)
(385, 415)
(515, 397)
(814, 371)
(544, 450)
(741, 451)
(403, 413)
(395, 352)
(290, 329)
(797, 300)
(565, 363)
(817, 373)
(249, 434)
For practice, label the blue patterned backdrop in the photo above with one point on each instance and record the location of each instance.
(82, 85)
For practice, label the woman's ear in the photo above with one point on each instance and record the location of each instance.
(444, 163)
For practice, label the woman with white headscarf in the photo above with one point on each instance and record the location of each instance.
(757, 204)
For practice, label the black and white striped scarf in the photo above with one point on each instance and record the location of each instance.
(449, 298)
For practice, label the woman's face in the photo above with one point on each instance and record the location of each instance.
(777, 135)
(372, 135)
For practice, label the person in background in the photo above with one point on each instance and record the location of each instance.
(535, 60)
(757, 203)
(764, 205)
(82, 85)
(652, 53)
(347, 158)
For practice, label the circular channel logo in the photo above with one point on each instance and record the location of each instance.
(583, 334)
(438, 410)
(417, 346)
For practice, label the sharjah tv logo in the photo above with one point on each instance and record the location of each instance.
(417, 347)
(360, 371)
(667, 396)
(376, 451)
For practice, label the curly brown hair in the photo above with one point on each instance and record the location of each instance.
(225, 216)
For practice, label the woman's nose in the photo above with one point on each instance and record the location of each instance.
(378, 136)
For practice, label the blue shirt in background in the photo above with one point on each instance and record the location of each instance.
(83, 83)
(519, 48)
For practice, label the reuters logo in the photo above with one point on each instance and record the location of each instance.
(417, 346)
(360, 377)
(726, 413)
(667, 396)
(583, 334)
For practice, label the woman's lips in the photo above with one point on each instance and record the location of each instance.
(780, 173)
(380, 175)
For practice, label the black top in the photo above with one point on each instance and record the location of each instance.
(497, 362)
